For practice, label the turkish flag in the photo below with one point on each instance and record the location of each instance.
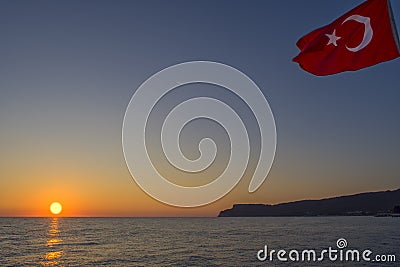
(362, 37)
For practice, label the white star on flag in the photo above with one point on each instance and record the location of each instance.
(333, 38)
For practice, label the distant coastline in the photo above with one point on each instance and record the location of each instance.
(380, 204)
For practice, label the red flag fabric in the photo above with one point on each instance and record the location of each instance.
(362, 37)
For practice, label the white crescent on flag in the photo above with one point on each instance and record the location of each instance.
(368, 32)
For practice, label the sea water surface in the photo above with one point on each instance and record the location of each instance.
(188, 241)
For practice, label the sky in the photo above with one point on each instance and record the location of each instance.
(69, 68)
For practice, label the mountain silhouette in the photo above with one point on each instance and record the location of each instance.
(371, 203)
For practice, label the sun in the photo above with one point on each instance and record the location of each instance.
(55, 208)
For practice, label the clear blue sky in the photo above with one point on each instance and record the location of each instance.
(69, 68)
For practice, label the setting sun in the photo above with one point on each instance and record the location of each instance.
(55, 208)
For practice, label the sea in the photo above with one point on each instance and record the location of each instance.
(198, 241)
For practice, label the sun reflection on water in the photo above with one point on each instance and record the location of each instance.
(54, 253)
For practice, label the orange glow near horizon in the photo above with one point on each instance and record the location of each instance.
(55, 208)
